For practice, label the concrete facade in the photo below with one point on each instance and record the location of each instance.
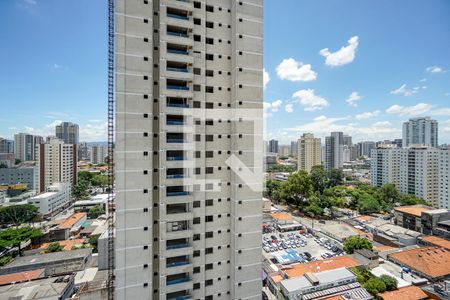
(56, 197)
(187, 225)
(67, 132)
(309, 152)
(55, 162)
(420, 131)
(9, 176)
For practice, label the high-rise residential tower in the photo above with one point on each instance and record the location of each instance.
(67, 132)
(309, 153)
(334, 150)
(25, 144)
(422, 131)
(188, 220)
(55, 162)
(273, 146)
(6, 146)
(98, 154)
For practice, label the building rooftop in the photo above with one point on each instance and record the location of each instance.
(340, 231)
(282, 216)
(48, 257)
(432, 262)
(364, 218)
(325, 277)
(321, 265)
(72, 220)
(67, 244)
(411, 292)
(415, 210)
(22, 276)
(436, 241)
(48, 288)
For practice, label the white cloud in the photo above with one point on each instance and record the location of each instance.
(292, 70)
(309, 100)
(402, 90)
(273, 106)
(343, 56)
(353, 99)
(414, 110)
(423, 80)
(30, 2)
(289, 108)
(367, 115)
(322, 126)
(56, 66)
(435, 69)
(266, 77)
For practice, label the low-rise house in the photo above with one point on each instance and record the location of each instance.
(68, 226)
(56, 263)
(436, 241)
(428, 262)
(321, 285)
(21, 277)
(54, 288)
(406, 293)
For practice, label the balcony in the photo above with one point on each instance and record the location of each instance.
(177, 49)
(175, 173)
(177, 102)
(173, 191)
(181, 295)
(177, 261)
(178, 278)
(177, 13)
(177, 244)
(175, 120)
(177, 31)
(175, 138)
(172, 155)
(179, 85)
(177, 208)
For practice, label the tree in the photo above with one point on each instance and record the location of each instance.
(356, 242)
(79, 191)
(319, 178)
(389, 281)
(18, 214)
(17, 161)
(5, 260)
(367, 203)
(93, 240)
(53, 247)
(335, 177)
(3, 166)
(375, 286)
(389, 193)
(411, 200)
(96, 211)
(13, 237)
(314, 208)
(297, 188)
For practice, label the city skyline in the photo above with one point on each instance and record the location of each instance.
(351, 93)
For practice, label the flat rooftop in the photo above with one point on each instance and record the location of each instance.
(48, 288)
(321, 265)
(433, 262)
(282, 216)
(415, 210)
(67, 244)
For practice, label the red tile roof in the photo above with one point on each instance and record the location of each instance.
(321, 265)
(411, 292)
(21, 277)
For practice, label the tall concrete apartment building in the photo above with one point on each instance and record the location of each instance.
(334, 150)
(25, 145)
(418, 170)
(98, 154)
(365, 148)
(309, 152)
(6, 146)
(273, 146)
(187, 225)
(67, 132)
(55, 162)
(422, 131)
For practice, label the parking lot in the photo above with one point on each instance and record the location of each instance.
(308, 247)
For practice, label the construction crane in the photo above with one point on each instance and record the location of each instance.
(111, 104)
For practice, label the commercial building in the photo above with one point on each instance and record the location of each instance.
(98, 154)
(410, 216)
(429, 262)
(55, 162)
(24, 146)
(53, 200)
(67, 132)
(187, 225)
(6, 146)
(294, 149)
(422, 131)
(273, 146)
(334, 150)
(418, 170)
(10, 176)
(309, 153)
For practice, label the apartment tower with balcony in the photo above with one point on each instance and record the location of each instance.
(188, 224)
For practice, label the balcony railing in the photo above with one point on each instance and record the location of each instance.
(184, 70)
(177, 246)
(175, 176)
(181, 17)
(175, 122)
(177, 51)
(177, 87)
(178, 280)
(172, 194)
(180, 297)
(176, 158)
(175, 141)
(184, 105)
(177, 264)
(180, 34)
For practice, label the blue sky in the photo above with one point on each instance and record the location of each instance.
(389, 59)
